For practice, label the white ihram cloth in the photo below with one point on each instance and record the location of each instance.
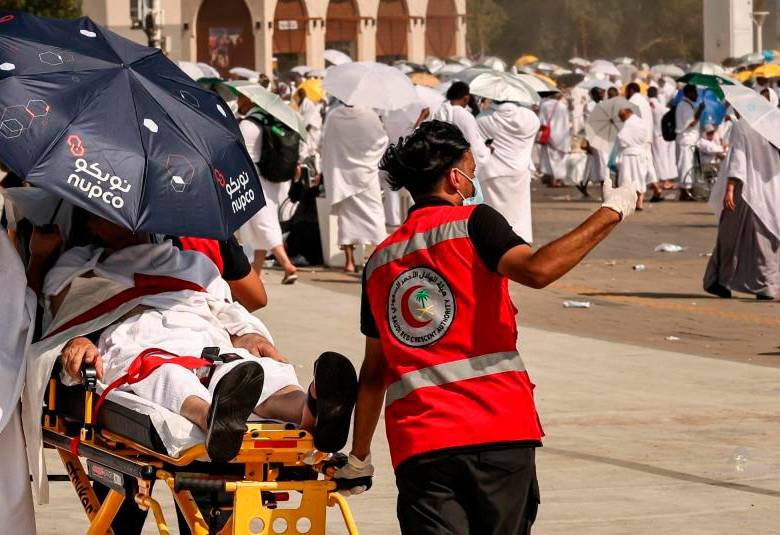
(747, 252)
(465, 121)
(555, 114)
(632, 158)
(663, 151)
(687, 136)
(398, 124)
(312, 118)
(353, 142)
(18, 306)
(183, 322)
(506, 176)
(262, 232)
(646, 114)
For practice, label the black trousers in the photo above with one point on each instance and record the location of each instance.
(478, 492)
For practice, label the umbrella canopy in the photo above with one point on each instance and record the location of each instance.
(246, 74)
(590, 83)
(623, 60)
(429, 98)
(756, 111)
(433, 64)
(451, 69)
(526, 59)
(537, 84)
(546, 79)
(667, 70)
(192, 70)
(604, 122)
(767, 71)
(466, 62)
(706, 80)
(570, 80)
(743, 76)
(467, 75)
(755, 58)
(316, 73)
(369, 84)
(270, 103)
(494, 63)
(602, 66)
(580, 62)
(336, 57)
(117, 129)
(706, 67)
(424, 78)
(208, 71)
(545, 67)
(300, 69)
(503, 87)
(313, 89)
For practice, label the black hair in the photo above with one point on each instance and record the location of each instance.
(632, 88)
(689, 89)
(418, 161)
(652, 92)
(458, 90)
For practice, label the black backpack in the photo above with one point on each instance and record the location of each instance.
(669, 124)
(280, 151)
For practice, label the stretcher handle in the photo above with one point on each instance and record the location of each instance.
(89, 377)
(198, 484)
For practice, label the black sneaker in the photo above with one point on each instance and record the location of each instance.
(234, 398)
(335, 381)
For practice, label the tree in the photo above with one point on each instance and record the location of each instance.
(485, 20)
(58, 9)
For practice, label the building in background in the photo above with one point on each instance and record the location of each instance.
(728, 29)
(254, 33)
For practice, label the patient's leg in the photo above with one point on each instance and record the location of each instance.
(173, 387)
(288, 405)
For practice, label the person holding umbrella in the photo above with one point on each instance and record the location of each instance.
(687, 115)
(441, 345)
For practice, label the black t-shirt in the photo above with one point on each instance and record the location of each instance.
(235, 264)
(489, 231)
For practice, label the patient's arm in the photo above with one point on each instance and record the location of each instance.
(78, 352)
(258, 345)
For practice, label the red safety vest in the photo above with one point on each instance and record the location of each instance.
(448, 334)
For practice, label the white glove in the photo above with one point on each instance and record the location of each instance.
(355, 469)
(622, 199)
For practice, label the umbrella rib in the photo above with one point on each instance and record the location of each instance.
(50, 47)
(146, 158)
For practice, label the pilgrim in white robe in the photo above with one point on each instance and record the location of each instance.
(353, 142)
(463, 119)
(398, 124)
(746, 257)
(312, 118)
(687, 136)
(555, 114)
(663, 151)
(263, 231)
(631, 155)
(646, 114)
(506, 177)
(18, 306)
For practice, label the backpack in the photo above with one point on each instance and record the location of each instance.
(280, 151)
(669, 124)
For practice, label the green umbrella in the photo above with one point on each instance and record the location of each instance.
(710, 81)
(270, 103)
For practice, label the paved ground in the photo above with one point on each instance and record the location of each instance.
(644, 435)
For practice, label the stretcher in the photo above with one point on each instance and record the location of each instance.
(278, 483)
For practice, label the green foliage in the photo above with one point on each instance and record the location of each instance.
(555, 30)
(58, 9)
(486, 18)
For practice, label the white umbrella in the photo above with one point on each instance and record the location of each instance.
(495, 63)
(672, 71)
(624, 60)
(546, 67)
(433, 64)
(504, 87)
(536, 83)
(191, 69)
(627, 72)
(604, 122)
(467, 75)
(706, 67)
(451, 69)
(466, 62)
(316, 73)
(247, 74)
(270, 103)
(429, 97)
(602, 66)
(580, 62)
(404, 68)
(208, 70)
(336, 57)
(590, 83)
(756, 111)
(300, 69)
(370, 84)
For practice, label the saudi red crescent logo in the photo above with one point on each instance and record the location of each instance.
(421, 307)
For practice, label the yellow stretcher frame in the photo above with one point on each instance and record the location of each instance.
(266, 448)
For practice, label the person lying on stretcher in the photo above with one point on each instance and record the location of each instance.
(183, 306)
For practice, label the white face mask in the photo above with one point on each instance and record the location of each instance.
(478, 197)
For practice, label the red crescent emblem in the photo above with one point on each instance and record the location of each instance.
(409, 318)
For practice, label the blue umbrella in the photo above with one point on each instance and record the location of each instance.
(118, 129)
(714, 108)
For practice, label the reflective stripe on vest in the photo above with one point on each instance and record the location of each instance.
(418, 241)
(450, 372)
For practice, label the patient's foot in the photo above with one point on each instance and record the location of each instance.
(331, 399)
(235, 396)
